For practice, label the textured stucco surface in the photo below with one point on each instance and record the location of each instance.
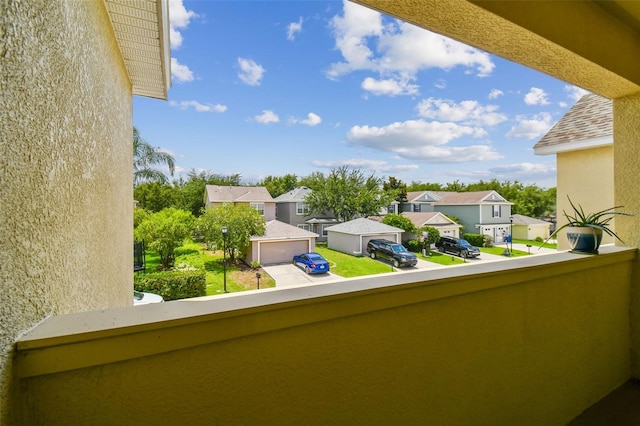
(487, 344)
(65, 166)
(586, 176)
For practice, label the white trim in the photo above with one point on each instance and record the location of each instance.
(575, 145)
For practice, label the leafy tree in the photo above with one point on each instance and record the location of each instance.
(396, 185)
(241, 221)
(314, 181)
(155, 196)
(146, 158)
(347, 193)
(432, 236)
(191, 190)
(279, 185)
(419, 186)
(138, 216)
(399, 222)
(165, 231)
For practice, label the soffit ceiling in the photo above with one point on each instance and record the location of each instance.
(142, 31)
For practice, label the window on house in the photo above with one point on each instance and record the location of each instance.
(416, 208)
(259, 207)
(305, 227)
(302, 209)
(391, 209)
(496, 210)
(324, 230)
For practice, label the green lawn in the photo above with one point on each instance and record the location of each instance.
(499, 251)
(536, 243)
(442, 258)
(191, 254)
(349, 266)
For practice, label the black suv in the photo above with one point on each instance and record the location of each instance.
(395, 253)
(458, 246)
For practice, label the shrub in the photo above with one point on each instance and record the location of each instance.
(255, 264)
(539, 240)
(172, 285)
(413, 245)
(475, 239)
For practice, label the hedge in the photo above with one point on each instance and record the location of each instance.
(478, 240)
(172, 285)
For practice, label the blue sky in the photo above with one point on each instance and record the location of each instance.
(265, 88)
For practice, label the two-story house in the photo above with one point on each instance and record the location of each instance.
(291, 208)
(256, 196)
(480, 212)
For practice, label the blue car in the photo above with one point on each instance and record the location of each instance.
(311, 263)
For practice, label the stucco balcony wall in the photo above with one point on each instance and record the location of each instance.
(530, 341)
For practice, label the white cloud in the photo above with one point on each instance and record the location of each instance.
(198, 107)
(398, 50)
(389, 87)
(250, 72)
(536, 96)
(574, 92)
(524, 169)
(531, 128)
(419, 140)
(181, 73)
(466, 112)
(311, 120)
(440, 84)
(293, 28)
(267, 117)
(179, 18)
(495, 94)
(373, 165)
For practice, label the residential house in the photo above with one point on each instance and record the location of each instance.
(582, 141)
(256, 197)
(280, 243)
(479, 212)
(512, 341)
(291, 208)
(351, 237)
(436, 220)
(529, 228)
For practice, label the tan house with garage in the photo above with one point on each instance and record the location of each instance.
(255, 196)
(582, 141)
(280, 243)
(529, 228)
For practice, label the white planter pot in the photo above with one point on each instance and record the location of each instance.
(584, 239)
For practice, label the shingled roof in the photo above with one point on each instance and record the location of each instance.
(588, 124)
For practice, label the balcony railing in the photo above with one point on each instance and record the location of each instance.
(529, 341)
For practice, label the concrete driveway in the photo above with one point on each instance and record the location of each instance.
(287, 274)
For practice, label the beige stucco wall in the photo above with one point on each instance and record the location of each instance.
(65, 167)
(586, 176)
(531, 341)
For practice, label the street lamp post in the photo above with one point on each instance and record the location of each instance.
(511, 233)
(224, 257)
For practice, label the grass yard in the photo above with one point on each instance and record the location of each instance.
(537, 243)
(499, 251)
(349, 266)
(240, 277)
(441, 258)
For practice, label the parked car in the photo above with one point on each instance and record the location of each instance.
(141, 298)
(311, 263)
(458, 246)
(395, 253)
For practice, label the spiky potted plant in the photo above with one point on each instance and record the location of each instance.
(584, 231)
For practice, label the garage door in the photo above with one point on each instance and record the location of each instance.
(281, 251)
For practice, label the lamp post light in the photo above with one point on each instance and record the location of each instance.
(511, 233)
(258, 277)
(224, 257)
